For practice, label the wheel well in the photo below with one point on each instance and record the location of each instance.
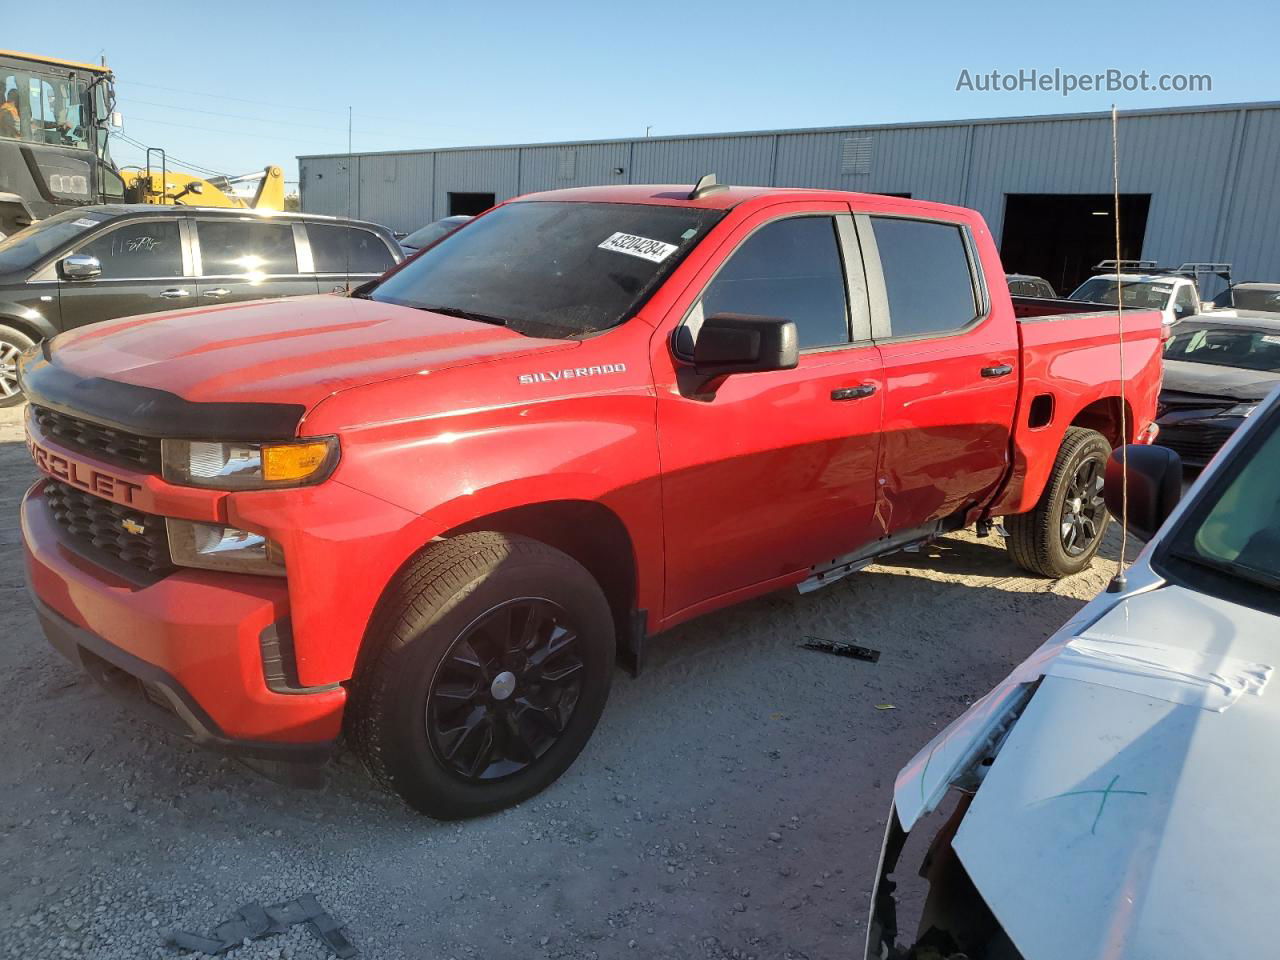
(590, 533)
(1104, 416)
(24, 326)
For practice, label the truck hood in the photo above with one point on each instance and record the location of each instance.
(1131, 810)
(1212, 380)
(292, 351)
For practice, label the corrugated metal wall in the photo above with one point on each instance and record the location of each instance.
(1211, 173)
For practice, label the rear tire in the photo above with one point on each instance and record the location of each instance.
(484, 674)
(1062, 534)
(12, 343)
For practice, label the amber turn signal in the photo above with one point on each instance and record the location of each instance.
(294, 462)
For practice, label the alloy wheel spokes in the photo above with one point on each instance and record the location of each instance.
(1083, 509)
(506, 689)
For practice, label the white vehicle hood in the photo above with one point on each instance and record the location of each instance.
(1134, 809)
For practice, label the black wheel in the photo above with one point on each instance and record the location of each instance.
(12, 343)
(484, 675)
(1062, 534)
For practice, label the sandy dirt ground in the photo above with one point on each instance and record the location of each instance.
(730, 805)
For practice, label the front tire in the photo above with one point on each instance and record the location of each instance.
(484, 676)
(12, 344)
(1062, 534)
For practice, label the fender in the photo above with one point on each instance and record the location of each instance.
(30, 321)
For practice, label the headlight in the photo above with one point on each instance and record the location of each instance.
(248, 466)
(211, 546)
(1239, 410)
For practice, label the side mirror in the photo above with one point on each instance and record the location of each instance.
(1155, 487)
(80, 267)
(733, 343)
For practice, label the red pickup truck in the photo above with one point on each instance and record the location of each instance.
(433, 514)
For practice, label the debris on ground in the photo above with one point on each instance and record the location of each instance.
(254, 922)
(840, 649)
(885, 706)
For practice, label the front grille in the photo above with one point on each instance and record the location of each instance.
(115, 446)
(100, 528)
(1195, 445)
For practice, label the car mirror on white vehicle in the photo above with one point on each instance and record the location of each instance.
(78, 266)
(1154, 486)
(734, 343)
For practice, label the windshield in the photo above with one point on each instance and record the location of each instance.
(1256, 298)
(432, 232)
(1243, 347)
(552, 269)
(1138, 294)
(26, 247)
(1235, 529)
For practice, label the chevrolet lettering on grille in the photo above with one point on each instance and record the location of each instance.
(85, 477)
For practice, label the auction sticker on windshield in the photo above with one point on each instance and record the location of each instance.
(642, 247)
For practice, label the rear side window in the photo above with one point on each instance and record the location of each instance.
(789, 269)
(148, 248)
(238, 248)
(337, 249)
(926, 276)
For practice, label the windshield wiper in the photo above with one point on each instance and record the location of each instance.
(466, 315)
(1260, 577)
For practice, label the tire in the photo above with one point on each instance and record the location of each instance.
(434, 664)
(12, 343)
(1039, 541)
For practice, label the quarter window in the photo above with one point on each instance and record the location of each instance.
(789, 269)
(241, 248)
(338, 249)
(926, 276)
(148, 248)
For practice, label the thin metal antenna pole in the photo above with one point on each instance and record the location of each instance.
(346, 246)
(1119, 581)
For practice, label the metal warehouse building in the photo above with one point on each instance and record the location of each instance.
(1198, 183)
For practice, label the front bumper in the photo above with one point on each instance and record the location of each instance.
(190, 645)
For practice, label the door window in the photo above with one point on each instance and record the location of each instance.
(789, 269)
(150, 248)
(235, 248)
(926, 276)
(338, 249)
(1184, 304)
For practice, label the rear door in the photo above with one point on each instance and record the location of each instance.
(950, 368)
(249, 258)
(146, 267)
(776, 472)
(345, 256)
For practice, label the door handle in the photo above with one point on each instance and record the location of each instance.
(1002, 370)
(854, 393)
(216, 292)
(175, 293)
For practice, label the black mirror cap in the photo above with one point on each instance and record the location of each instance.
(736, 343)
(1155, 486)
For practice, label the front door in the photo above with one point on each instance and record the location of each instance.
(247, 259)
(776, 472)
(142, 272)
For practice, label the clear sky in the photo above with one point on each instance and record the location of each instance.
(279, 81)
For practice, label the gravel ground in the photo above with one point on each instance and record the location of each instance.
(730, 805)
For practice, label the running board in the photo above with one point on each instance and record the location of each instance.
(841, 567)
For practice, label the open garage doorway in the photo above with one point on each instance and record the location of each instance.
(469, 204)
(1061, 236)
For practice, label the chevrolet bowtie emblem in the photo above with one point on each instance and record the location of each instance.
(132, 526)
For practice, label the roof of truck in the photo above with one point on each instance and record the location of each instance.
(724, 198)
(57, 61)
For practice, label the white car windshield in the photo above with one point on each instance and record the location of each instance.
(1137, 294)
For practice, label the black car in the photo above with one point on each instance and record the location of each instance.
(1251, 296)
(100, 262)
(433, 231)
(1025, 285)
(1216, 371)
